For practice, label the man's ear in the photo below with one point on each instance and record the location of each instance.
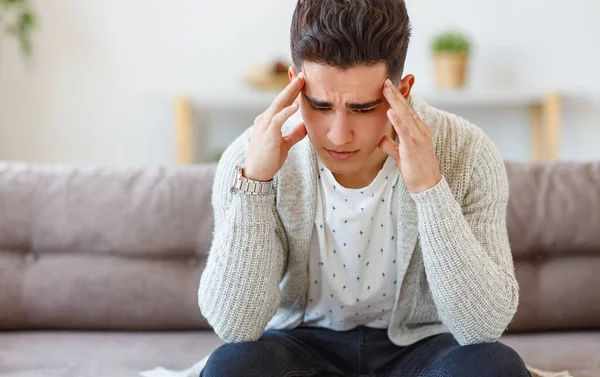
(406, 84)
(292, 72)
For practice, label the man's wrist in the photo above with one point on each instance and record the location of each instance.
(243, 184)
(251, 175)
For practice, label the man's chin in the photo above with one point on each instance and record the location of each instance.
(341, 166)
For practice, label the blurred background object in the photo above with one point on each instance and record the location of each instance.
(112, 77)
(273, 76)
(451, 55)
(17, 18)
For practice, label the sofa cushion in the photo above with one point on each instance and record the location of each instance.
(95, 291)
(553, 208)
(149, 211)
(558, 293)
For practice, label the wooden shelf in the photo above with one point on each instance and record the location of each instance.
(544, 108)
(482, 99)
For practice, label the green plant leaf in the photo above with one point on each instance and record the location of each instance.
(23, 16)
(451, 41)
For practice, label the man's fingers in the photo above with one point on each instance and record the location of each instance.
(297, 134)
(280, 118)
(390, 147)
(402, 130)
(418, 121)
(396, 101)
(287, 95)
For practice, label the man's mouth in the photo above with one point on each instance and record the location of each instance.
(340, 155)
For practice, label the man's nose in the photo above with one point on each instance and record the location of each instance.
(340, 132)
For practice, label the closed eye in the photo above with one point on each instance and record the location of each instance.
(359, 111)
(364, 111)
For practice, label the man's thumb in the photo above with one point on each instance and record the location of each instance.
(297, 134)
(390, 147)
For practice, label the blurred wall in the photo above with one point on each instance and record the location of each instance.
(105, 74)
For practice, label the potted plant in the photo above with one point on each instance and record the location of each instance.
(17, 19)
(451, 54)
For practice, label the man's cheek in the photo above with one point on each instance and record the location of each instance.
(312, 131)
(311, 122)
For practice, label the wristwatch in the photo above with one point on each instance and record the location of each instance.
(244, 185)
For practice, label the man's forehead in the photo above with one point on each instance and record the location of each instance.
(350, 90)
(372, 70)
(361, 83)
(321, 93)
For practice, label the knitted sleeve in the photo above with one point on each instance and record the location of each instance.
(239, 288)
(466, 251)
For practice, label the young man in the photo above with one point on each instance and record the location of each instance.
(377, 245)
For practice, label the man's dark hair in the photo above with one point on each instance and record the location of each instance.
(348, 33)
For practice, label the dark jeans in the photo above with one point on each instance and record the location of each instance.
(360, 352)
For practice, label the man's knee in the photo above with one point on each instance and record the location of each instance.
(236, 360)
(264, 357)
(486, 359)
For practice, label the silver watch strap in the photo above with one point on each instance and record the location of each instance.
(244, 185)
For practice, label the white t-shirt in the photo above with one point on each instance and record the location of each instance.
(352, 263)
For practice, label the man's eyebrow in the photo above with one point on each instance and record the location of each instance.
(354, 106)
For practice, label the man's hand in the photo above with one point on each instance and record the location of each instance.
(414, 155)
(268, 148)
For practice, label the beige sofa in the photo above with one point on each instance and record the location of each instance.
(99, 268)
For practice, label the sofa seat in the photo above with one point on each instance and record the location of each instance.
(100, 354)
(125, 354)
(577, 352)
